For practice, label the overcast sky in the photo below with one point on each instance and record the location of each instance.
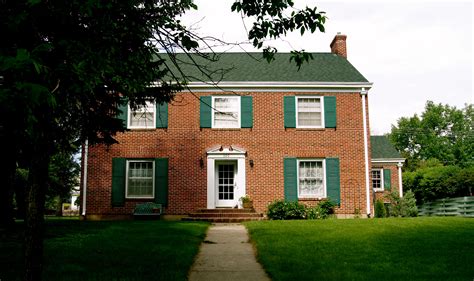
(413, 51)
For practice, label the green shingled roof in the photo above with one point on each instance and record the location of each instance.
(242, 67)
(382, 148)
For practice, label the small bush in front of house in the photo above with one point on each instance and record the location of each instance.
(403, 207)
(380, 211)
(316, 213)
(328, 206)
(282, 210)
(408, 205)
(322, 210)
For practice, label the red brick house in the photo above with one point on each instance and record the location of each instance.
(264, 130)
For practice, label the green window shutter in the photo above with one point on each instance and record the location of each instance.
(330, 118)
(246, 109)
(290, 112)
(205, 112)
(118, 182)
(333, 180)
(387, 179)
(123, 106)
(162, 115)
(290, 179)
(161, 181)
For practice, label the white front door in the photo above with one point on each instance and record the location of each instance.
(226, 172)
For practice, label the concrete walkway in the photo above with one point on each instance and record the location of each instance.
(226, 254)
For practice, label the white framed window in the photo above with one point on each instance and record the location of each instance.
(140, 179)
(309, 112)
(311, 178)
(377, 179)
(225, 112)
(143, 117)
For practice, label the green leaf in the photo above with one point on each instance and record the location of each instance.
(22, 54)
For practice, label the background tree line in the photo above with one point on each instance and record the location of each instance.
(439, 148)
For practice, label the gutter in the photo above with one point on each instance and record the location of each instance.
(84, 178)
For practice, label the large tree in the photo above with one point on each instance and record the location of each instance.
(66, 67)
(441, 132)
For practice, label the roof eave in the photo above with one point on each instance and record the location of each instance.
(388, 160)
(279, 85)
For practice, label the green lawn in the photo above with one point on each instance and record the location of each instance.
(366, 249)
(126, 250)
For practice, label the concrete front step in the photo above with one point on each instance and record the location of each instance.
(222, 219)
(224, 215)
(229, 215)
(225, 210)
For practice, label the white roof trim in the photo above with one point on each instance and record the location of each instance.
(388, 160)
(238, 85)
(278, 85)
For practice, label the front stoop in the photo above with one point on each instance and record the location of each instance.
(224, 215)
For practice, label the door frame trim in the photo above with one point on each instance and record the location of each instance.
(216, 174)
(223, 154)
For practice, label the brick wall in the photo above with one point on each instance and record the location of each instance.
(267, 143)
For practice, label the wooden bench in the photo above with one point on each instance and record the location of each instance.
(148, 209)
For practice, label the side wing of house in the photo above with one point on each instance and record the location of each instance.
(386, 172)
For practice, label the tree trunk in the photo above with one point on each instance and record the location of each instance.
(7, 174)
(34, 219)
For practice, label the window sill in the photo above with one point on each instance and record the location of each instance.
(226, 129)
(141, 129)
(310, 129)
(140, 199)
(379, 190)
(311, 199)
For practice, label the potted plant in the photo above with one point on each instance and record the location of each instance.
(246, 202)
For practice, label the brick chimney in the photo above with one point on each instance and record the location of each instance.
(338, 45)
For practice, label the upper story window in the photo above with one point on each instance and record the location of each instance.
(143, 117)
(313, 112)
(309, 112)
(140, 179)
(226, 112)
(311, 179)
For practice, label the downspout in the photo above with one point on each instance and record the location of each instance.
(84, 179)
(363, 95)
(400, 180)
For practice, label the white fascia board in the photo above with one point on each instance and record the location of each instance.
(388, 160)
(277, 86)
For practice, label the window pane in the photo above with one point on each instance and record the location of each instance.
(226, 104)
(226, 112)
(311, 182)
(140, 179)
(309, 112)
(376, 178)
(309, 104)
(143, 117)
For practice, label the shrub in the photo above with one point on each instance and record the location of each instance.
(321, 211)
(431, 183)
(380, 211)
(403, 207)
(328, 206)
(408, 205)
(315, 213)
(283, 210)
